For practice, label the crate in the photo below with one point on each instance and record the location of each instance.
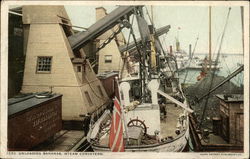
(33, 120)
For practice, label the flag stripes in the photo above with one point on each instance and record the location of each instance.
(116, 143)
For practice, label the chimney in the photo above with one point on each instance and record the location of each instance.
(177, 45)
(100, 13)
(171, 50)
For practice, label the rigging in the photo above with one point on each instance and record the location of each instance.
(213, 73)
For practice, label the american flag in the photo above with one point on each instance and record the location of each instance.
(116, 142)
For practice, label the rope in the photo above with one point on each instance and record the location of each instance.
(107, 41)
(216, 62)
(149, 16)
(191, 57)
(161, 45)
(164, 42)
(127, 46)
(89, 83)
(83, 146)
(189, 145)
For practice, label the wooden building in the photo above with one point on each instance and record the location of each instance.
(228, 128)
(109, 83)
(110, 58)
(232, 118)
(33, 120)
(52, 65)
(15, 52)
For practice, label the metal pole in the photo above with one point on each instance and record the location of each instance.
(236, 72)
(122, 110)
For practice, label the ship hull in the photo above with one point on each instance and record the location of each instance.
(200, 67)
(177, 145)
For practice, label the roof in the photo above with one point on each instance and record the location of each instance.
(107, 75)
(77, 60)
(100, 27)
(231, 98)
(17, 9)
(19, 104)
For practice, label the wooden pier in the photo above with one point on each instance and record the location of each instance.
(65, 140)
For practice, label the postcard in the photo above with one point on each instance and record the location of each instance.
(124, 79)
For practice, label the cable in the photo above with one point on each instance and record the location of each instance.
(149, 16)
(127, 46)
(191, 57)
(213, 74)
(89, 83)
(188, 144)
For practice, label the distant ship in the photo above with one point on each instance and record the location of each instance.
(199, 64)
(182, 58)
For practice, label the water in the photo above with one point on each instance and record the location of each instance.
(228, 62)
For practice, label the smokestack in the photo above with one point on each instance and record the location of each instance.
(190, 51)
(177, 45)
(100, 13)
(171, 50)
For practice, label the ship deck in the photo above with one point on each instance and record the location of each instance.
(168, 124)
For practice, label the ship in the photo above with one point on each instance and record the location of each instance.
(199, 64)
(181, 56)
(153, 111)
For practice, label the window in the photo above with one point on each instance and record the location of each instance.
(79, 68)
(100, 90)
(88, 98)
(44, 64)
(108, 58)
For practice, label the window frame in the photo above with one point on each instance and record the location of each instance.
(108, 61)
(78, 68)
(37, 64)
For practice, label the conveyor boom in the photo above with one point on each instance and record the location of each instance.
(82, 38)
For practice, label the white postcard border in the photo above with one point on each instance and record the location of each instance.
(33, 154)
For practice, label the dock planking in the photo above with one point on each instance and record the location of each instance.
(65, 140)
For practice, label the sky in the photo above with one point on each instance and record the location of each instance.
(192, 22)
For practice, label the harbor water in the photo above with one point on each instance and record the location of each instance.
(228, 63)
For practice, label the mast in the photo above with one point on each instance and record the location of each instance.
(152, 44)
(177, 41)
(152, 14)
(153, 51)
(143, 67)
(242, 27)
(210, 60)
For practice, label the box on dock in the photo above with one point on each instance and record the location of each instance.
(33, 119)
